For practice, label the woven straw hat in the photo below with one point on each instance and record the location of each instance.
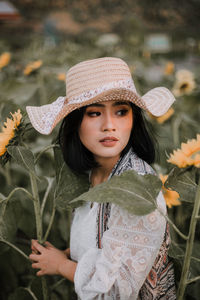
(96, 80)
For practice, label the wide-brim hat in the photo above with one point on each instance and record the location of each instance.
(96, 80)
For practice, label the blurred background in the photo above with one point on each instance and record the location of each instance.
(39, 41)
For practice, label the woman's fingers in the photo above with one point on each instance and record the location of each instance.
(34, 257)
(67, 252)
(35, 266)
(40, 273)
(49, 245)
(36, 246)
(32, 246)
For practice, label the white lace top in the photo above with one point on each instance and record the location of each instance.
(129, 249)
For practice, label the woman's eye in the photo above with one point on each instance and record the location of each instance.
(122, 112)
(93, 113)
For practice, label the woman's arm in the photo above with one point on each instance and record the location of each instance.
(129, 249)
(52, 261)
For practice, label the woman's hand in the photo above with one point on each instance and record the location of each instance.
(49, 259)
(67, 252)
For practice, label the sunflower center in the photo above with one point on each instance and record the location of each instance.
(184, 86)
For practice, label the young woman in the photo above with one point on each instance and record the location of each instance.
(113, 254)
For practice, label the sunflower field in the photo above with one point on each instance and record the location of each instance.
(36, 190)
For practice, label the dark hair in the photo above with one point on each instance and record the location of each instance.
(80, 159)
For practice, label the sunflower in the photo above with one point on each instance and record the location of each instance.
(164, 117)
(61, 76)
(171, 197)
(4, 59)
(32, 66)
(8, 130)
(169, 68)
(184, 83)
(188, 155)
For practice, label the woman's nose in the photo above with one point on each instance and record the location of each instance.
(108, 123)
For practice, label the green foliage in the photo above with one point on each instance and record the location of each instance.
(69, 185)
(23, 157)
(58, 187)
(183, 182)
(20, 90)
(127, 191)
(8, 220)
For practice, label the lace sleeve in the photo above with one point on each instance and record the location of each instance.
(129, 249)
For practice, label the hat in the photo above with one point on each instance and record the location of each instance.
(96, 80)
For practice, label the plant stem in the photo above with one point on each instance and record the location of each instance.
(55, 285)
(185, 237)
(14, 247)
(36, 203)
(189, 246)
(39, 230)
(193, 279)
(195, 258)
(175, 130)
(31, 293)
(50, 224)
(7, 174)
(44, 150)
(50, 182)
(20, 189)
(45, 289)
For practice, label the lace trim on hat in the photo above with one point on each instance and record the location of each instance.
(126, 84)
(49, 117)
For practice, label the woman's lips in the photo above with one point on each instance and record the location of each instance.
(109, 141)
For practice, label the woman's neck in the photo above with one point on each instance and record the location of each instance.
(101, 174)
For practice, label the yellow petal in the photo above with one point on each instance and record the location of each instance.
(8, 131)
(169, 68)
(4, 59)
(171, 197)
(61, 76)
(166, 116)
(187, 155)
(32, 66)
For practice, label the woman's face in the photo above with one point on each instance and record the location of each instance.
(106, 127)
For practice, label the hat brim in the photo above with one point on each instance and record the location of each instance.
(44, 118)
(158, 100)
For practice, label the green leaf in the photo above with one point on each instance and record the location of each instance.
(19, 92)
(26, 220)
(8, 226)
(195, 260)
(3, 203)
(23, 157)
(69, 185)
(21, 293)
(58, 160)
(136, 193)
(2, 197)
(176, 251)
(183, 182)
(7, 107)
